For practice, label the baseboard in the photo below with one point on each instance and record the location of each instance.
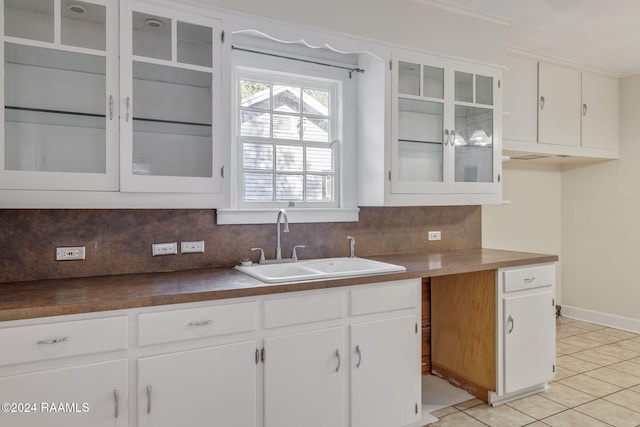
(605, 319)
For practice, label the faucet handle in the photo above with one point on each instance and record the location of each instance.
(352, 246)
(261, 254)
(294, 255)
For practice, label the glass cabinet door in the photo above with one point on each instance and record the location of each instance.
(168, 80)
(59, 119)
(419, 123)
(474, 128)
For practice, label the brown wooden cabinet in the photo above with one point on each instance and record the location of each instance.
(463, 339)
(426, 326)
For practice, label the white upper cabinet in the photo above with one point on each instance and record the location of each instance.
(445, 132)
(169, 83)
(60, 116)
(558, 105)
(520, 93)
(552, 109)
(599, 111)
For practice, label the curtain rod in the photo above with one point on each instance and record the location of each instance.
(350, 70)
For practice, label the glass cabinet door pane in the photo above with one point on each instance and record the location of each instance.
(420, 138)
(408, 78)
(484, 90)
(151, 36)
(83, 24)
(63, 131)
(172, 119)
(194, 44)
(29, 19)
(464, 87)
(433, 82)
(473, 144)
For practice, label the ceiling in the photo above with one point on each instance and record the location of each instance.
(601, 34)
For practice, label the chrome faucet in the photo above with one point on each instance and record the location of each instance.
(352, 247)
(281, 214)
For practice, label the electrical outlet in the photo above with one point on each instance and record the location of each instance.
(70, 253)
(435, 235)
(164, 249)
(192, 247)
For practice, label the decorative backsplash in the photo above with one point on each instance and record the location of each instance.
(119, 241)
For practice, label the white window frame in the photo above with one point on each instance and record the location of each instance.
(277, 78)
(344, 207)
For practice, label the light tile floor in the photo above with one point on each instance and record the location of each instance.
(597, 383)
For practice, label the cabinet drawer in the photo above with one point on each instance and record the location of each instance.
(54, 340)
(396, 296)
(519, 279)
(192, 323)
(304, 309)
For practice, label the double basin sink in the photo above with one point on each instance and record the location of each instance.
(318, 269)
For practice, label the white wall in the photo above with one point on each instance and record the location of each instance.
(402, 22)
(601, 222)
(531, 222)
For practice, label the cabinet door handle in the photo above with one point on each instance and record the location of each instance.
(202, 323)
(127, 103)
(510, 321)
(452, 136)
(339, 360)
(148, 399)
(529, 279)
(445, 140)
(541, 102)
(110, 107)
(116, 399)
(55, 340)
(584, 110)
(359, 353)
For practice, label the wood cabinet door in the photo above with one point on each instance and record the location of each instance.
(529, 340)
(198, 388)
(385, 367)
(304, 381)
(88, 395)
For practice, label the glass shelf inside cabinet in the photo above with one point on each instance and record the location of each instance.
(420, 121)
(172, 121)
(420, 137)
(55, 113)
(473, 144)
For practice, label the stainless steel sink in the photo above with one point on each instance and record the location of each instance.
(318, 269)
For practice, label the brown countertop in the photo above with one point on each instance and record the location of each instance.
(24, 300)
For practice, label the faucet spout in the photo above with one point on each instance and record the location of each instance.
(282, 213)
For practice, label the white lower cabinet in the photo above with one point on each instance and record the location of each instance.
(304, 379)
(529, 322)
(385, 370)
(87, 395)
(204, 387)
(321, 358)
(526, 330)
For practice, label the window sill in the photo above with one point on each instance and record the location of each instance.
(268, 216)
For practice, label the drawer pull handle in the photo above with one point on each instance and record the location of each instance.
(55, 340)
(116, 399)
(339, 360)
(148, 399)
(359, 353)
(202, 323)
(529, 279)
(511, 323)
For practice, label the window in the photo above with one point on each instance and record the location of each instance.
(287, 139)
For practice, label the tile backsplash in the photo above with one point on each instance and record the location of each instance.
(119, 241)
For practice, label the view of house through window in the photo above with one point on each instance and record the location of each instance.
(286, 137)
